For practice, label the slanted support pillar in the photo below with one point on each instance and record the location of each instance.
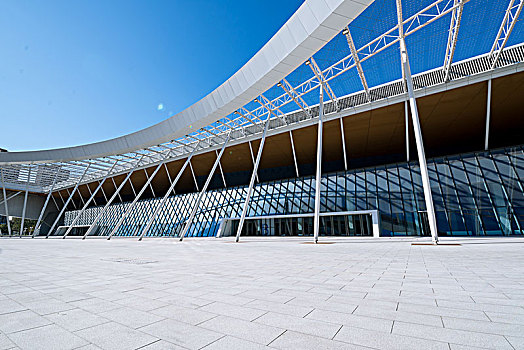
(406, 113)
(169, 191)
(316, 219)
(420, 145)
(342, 134)
(93, 194)
(252, 181)
(5, 204)
(488, 116)
(39, 221)
(204, 189)
(67, 202)
(25, 202)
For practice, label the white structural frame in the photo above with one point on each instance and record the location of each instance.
(171, 189)
(456, 16)
(318, 177)
(25, 202)
(204, 189)
(418, 135)
(506, 27)
(6, 205)
(245, 207)
(354, 53)
(488, 116)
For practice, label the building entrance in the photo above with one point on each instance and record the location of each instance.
(330, 225)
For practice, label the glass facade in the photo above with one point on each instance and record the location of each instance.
(475, 194)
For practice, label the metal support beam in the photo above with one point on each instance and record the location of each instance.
(420, 145)
(137, 197)
(86, 204)
(406, 122)
(10, 197)
(316, 218)
(342, 134)
(5, 204)
(252, 156)
(221, 171)
(354, 53)
(510, 18)
(323, 82)
(488, 116)
(25, 202)
(294, 153)
(454, 26)
(169, 191)
(252, 182)
(38, 222)
(67, 202)
(193, 173)
(290, 90)
(203, 191)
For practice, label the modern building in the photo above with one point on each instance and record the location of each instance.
(358, 118)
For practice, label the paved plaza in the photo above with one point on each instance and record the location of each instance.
(281, 293)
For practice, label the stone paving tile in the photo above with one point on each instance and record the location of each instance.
(387, 341)
(75, 319)
(182, 334)
(243, 312)
(5, 342)
(115, 336)
(251, 331)
(476, 289)
(47, 337)
(22, 320)
(298, 324)
(232, 343)
(184, 314)
(294, 340)
(454, 336)
(371, 323)
(131, 317)
(288, 309)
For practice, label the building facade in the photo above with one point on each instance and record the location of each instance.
(340, 125)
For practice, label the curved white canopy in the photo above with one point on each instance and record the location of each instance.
(314, 24)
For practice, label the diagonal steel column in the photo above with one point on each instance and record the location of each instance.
(343, 144)
(10, 197)
(67, 202)
(252, 156)
(354, 53)
(90, 199)
(293, 149)
(252, 181)
(38, 222)
(25, 202)
(137, 197)
(454, 26)
(406, 121)
(117, 191)
(488, 116)
(5, 203)
(204, 189)
(316, 218)
(420, 145)
(169, 191)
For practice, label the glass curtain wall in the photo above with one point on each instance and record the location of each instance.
(478, 194)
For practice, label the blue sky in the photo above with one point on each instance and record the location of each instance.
(75, 72)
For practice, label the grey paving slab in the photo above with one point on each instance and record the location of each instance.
(76, 319)
(5, 342)
(21, 320)
(251, 331)
(232, 343)
(115, 336)
(262, 292)
(47, 337)
(182, 334)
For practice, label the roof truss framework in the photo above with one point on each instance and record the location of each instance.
(456, 16)
(249, 121)
(510, 18)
